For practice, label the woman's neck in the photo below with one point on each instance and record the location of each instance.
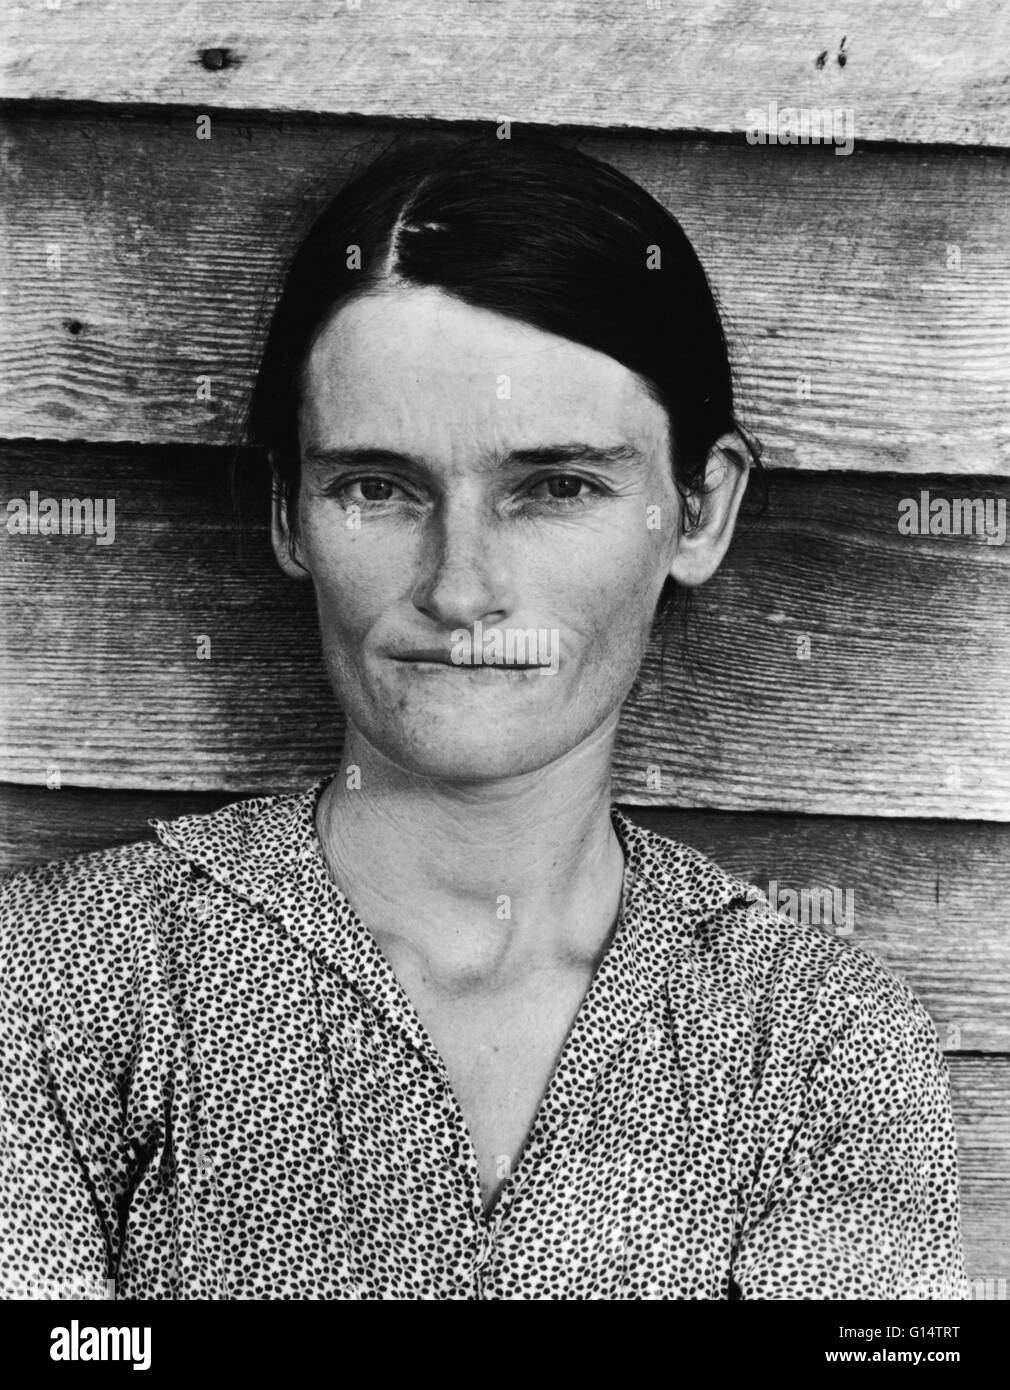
(478, 879)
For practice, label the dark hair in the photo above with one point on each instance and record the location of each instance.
(530, 229)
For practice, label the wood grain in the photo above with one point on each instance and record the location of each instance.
(980, 1092)
(37, 826)
(900, 709)
(867, 298)
(928, 897)
(914, 70)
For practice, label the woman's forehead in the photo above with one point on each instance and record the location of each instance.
(415, 359)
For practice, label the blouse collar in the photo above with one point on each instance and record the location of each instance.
(267, 851)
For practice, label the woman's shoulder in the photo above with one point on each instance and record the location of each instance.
(94, 880)
(104, 904)
(84, 909)
(89, 945)
(783, 957)
(805, 976)
(79, 951)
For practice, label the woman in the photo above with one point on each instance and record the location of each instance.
(448, 1024)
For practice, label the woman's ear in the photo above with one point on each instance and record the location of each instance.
(284, 543)
(704, 539)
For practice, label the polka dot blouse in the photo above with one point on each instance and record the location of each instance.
(214, 1087)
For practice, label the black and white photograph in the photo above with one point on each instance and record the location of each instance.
(505, 681)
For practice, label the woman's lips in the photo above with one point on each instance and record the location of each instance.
(441, 662)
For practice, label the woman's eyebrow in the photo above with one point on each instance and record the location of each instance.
(549, 454)
(539, 456)
(356, 457)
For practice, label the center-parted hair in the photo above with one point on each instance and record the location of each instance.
(534, 230)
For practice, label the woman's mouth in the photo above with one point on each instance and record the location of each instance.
(441, 664)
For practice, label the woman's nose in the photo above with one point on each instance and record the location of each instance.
(462, 575)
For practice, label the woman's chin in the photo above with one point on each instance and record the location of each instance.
(459, 752)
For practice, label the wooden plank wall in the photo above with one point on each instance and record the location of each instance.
(834, 714)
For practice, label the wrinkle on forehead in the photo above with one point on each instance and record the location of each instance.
(419, 371)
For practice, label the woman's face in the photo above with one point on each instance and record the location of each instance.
(465, 474)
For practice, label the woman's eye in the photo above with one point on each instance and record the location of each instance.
(563, 487)
(559, 488)
(369, 490)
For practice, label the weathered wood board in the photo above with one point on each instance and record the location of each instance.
(980, 1090)
(867, 299)
(919, 71)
